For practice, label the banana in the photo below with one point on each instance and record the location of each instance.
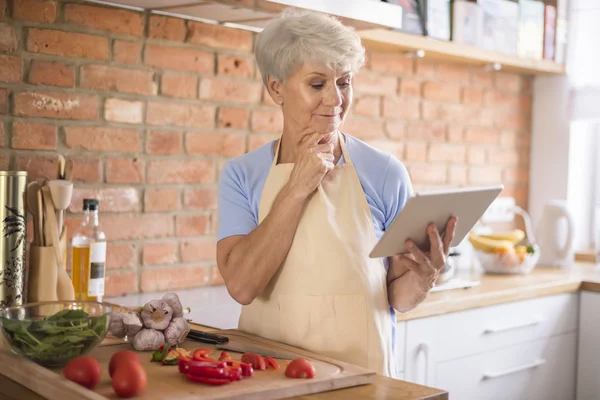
(514, 236)
(489, 245)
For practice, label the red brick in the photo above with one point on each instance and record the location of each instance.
(110, 19)
(137, 226)
(121, 284)
(237, 66)
(101, 77)
(508, 82)
(103, 139)
(390, 63)
(4, 161)
(179, 85)
(181, 171)
(180, 114)
(400, 108)
(191, 225)
(51, 74)
(425, 68)
(449, 112)
(485, 175)
(415, 151)
(111, 199)
(482, 78)
(180, 59)
(67, 44)
(441, 92)
(10, 69)
(2, 135)
(453, 73)
(506, 157)
(120, 256)
(124, 170)
(166, 28)
(3, 101)
(33, 136)
(226, 90)
(161, 200)
(442, 152)
(472, 96)
(428, 131)
(267, 121)
(366, 105)
(394, 148)
(234, 118)
(482, 136)
(454, 134)
(475, 155)
(37, 167)
(372, 83)
(3, 7)
(256, 141)
(457, 175)
(56, 105)
(512, 121)
(202, 198)
(126, 52)
(8, 38)
(515, 176)
(410, 87)
(160, 253)
(126, 111)
(198, 250)
(218, 36)
(164, 142)
(501, 99)
(363, 128)
(220, 144)
(34, 10)
(428, 173)
(395, 129)
(87, 169)
(173, 278)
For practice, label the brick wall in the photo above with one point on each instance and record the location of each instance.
(150, 107)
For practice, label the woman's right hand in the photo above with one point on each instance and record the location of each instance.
(313, 163)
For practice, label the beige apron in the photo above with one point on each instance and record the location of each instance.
(328, 296)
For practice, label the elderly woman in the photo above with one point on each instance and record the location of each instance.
(299, 215)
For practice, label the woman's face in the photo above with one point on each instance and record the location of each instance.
(315, 96)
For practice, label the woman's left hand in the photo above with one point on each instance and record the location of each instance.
(427, 265)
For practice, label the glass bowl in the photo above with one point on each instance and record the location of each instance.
(53, 333)
(518, 262)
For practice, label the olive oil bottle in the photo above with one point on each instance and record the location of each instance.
(89, 255)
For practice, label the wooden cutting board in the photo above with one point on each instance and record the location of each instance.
(165, 382)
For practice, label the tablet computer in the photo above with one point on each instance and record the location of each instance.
(468, 204)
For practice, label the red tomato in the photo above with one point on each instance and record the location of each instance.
(121, 357)
(83, 370)
(130, 379)
(256, 360)
(300, 368)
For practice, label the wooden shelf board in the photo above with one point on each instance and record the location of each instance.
(386, 40)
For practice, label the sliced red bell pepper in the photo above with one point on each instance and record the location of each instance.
(256, 360)
(208, 381)
(234, 374)
(246, 368)
(201, 354)
(272, 363)
(225, 356)
(186, 364)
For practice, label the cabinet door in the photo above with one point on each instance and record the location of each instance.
(588, 371)
(421, 335)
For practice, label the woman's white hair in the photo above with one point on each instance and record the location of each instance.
(298, 36)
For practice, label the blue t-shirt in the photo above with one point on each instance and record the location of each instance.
(384, 179)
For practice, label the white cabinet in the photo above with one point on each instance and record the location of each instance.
(519, 350)
(588, 371)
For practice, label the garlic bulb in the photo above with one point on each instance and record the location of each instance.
(157, 314)
(133, 323)
(177, 331)
(148, 339)
(173, 301)
(117, 327)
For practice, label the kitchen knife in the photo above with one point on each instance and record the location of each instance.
(206, 337)
(246, 348)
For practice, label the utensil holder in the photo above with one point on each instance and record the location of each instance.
(13, 242)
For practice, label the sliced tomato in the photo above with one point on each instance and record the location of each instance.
(300, 368)
(272, 363)
(256, 360)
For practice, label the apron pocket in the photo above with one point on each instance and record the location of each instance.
(334, 326)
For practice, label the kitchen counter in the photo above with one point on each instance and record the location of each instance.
(497, 289)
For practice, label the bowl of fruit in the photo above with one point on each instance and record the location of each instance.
(505, 252)
(55, 332)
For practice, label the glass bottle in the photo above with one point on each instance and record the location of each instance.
(89, 255)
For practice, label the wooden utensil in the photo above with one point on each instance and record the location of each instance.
(62, 192)
(41, 219)
(32, 205)
(68, 176)
(61, 166)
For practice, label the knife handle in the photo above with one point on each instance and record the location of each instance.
(206, 337)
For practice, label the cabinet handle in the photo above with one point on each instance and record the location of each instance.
(492, 375)
(423, 347)
(534, 321)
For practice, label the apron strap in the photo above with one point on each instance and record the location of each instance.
(343, 147)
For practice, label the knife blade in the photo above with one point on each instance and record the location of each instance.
(246, 348)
